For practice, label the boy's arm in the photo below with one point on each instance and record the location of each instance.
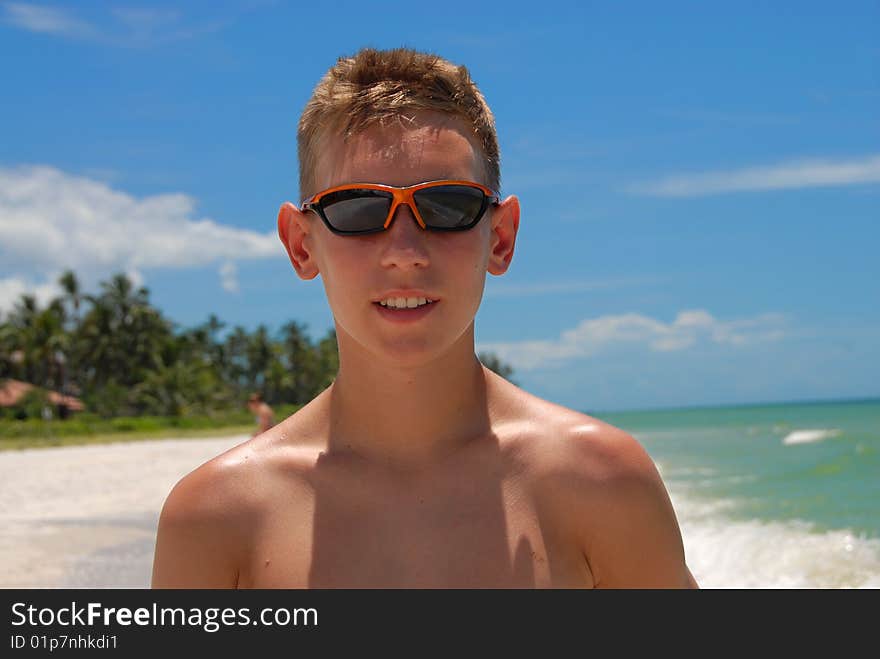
(197, 535)
(629, 533)
(641, 544)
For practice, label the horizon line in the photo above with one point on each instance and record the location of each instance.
(799, 401)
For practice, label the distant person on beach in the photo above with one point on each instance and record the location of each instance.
(263, 415)
(418, 467)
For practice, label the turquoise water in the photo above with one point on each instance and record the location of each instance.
(793, 487)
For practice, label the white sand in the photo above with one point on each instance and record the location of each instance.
(85, 516)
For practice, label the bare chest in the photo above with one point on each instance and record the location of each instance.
(468, 532)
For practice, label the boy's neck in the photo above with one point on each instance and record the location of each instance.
(407, 417)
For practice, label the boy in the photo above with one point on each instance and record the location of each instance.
(417, 467)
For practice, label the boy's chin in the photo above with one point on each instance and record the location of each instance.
(401, 349)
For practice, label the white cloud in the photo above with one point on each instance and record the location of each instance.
(47, 20)
(795, 174)
(229, 277)
(594, 335)
(134, 276)
(126, 27)
(12, 288)
(51, 221)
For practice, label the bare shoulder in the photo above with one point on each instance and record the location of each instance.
(209, 518)
(203, 524)
(603, 490)
(565, 441)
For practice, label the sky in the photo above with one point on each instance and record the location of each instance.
(699, 182)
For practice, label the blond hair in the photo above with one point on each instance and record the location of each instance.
(375, 86)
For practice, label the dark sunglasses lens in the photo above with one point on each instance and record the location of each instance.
(450, 206)
(355, 211)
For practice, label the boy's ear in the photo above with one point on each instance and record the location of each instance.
(293, 229)
(505, 224)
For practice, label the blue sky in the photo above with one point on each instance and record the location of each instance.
(700, 183)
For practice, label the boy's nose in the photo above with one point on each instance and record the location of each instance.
(405, 240)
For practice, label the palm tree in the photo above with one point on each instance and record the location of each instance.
(259, 356)
(72, 292)
(300, 360)
(22, 319)
(205, 344)
(328, 362)
(50, 345)
(9, 351)
(126, 336)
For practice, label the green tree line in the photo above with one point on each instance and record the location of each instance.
(122, 357)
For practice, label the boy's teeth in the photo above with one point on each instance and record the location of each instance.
(404, 302)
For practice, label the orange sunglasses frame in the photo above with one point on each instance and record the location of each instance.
(400, 196)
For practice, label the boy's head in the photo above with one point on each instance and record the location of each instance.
(381, 87)
(410, 121)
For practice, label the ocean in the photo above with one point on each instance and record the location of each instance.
(771, 496)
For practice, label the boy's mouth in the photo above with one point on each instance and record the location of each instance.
(398, 310)
(405, 302)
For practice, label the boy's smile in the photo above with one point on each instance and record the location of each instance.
(406, 314)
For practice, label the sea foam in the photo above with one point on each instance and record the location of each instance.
(809, 436)
(723, 552)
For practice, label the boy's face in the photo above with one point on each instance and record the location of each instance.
(449, 267)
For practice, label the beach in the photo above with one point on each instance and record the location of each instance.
(86, 516)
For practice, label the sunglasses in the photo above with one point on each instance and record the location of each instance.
(361, 208)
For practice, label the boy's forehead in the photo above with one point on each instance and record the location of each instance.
(407, 150)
